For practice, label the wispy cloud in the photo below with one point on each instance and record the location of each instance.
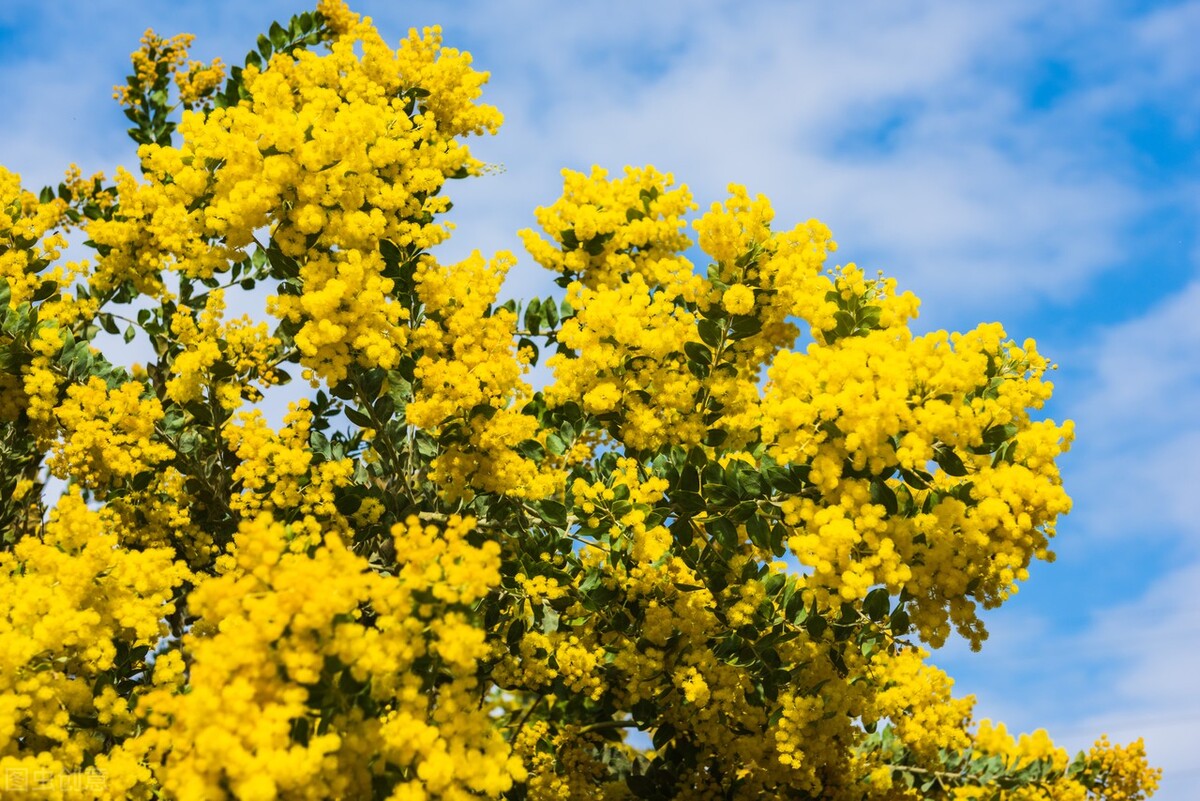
(1139, 434)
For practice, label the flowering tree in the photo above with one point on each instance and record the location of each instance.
(656, 578)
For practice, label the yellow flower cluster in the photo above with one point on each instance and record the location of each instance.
(276, 473)
(337, 16)
(162, 515)
(29, 241)
(638, 304)
(107, 434)
(199, 81)
(1112, 773)
(634, 341)
(774, 276)
(886, 401)
(564, 765)
(442, 562)
(1122, 770)
(285, 642)
(606, 231)
(916, 698)
(470, 378)
(247, 350)
(333, 154)
(156, 54)
(75, 607)
(159, 58)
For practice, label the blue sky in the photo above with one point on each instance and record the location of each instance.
(1026, 162)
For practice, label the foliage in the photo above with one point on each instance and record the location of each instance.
(659, 577)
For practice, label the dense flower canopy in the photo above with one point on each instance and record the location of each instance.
(705, 561)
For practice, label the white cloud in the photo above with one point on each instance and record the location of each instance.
(1136, 466)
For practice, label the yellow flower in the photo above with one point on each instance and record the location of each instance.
(738, 299)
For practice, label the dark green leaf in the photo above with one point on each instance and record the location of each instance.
(715, 437)
(698, 353)
(279, 36)
(550, 313)
(710, 332)
(745, 326)
(45, 291)
(553, 513)
(723, 531)
(533, 318)
(876, 604)
(948, 460)
(884, 495)
(663, 735)
(358, 418)
(917, 479)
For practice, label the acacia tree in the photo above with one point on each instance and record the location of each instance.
(656, 578)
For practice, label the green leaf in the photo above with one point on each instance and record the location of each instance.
(108, 324)
(45, 291)
(555, 444)
(515, 633)
(591, 580)
(876, 604)
(284, 266)
(595, 245)
(358, 418)
(553, 512)
(814, 624)
(759, 531)
(884, 495)
(681, 530)
(917, 479)
(994, 437)
(948, 460)
(723, 531)
(550, 618)
(663, 735)
(698, 353)
(745, 326)
(710, 332)
(533, 317)
(531, 449)
(279, 36)
(550, 313)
